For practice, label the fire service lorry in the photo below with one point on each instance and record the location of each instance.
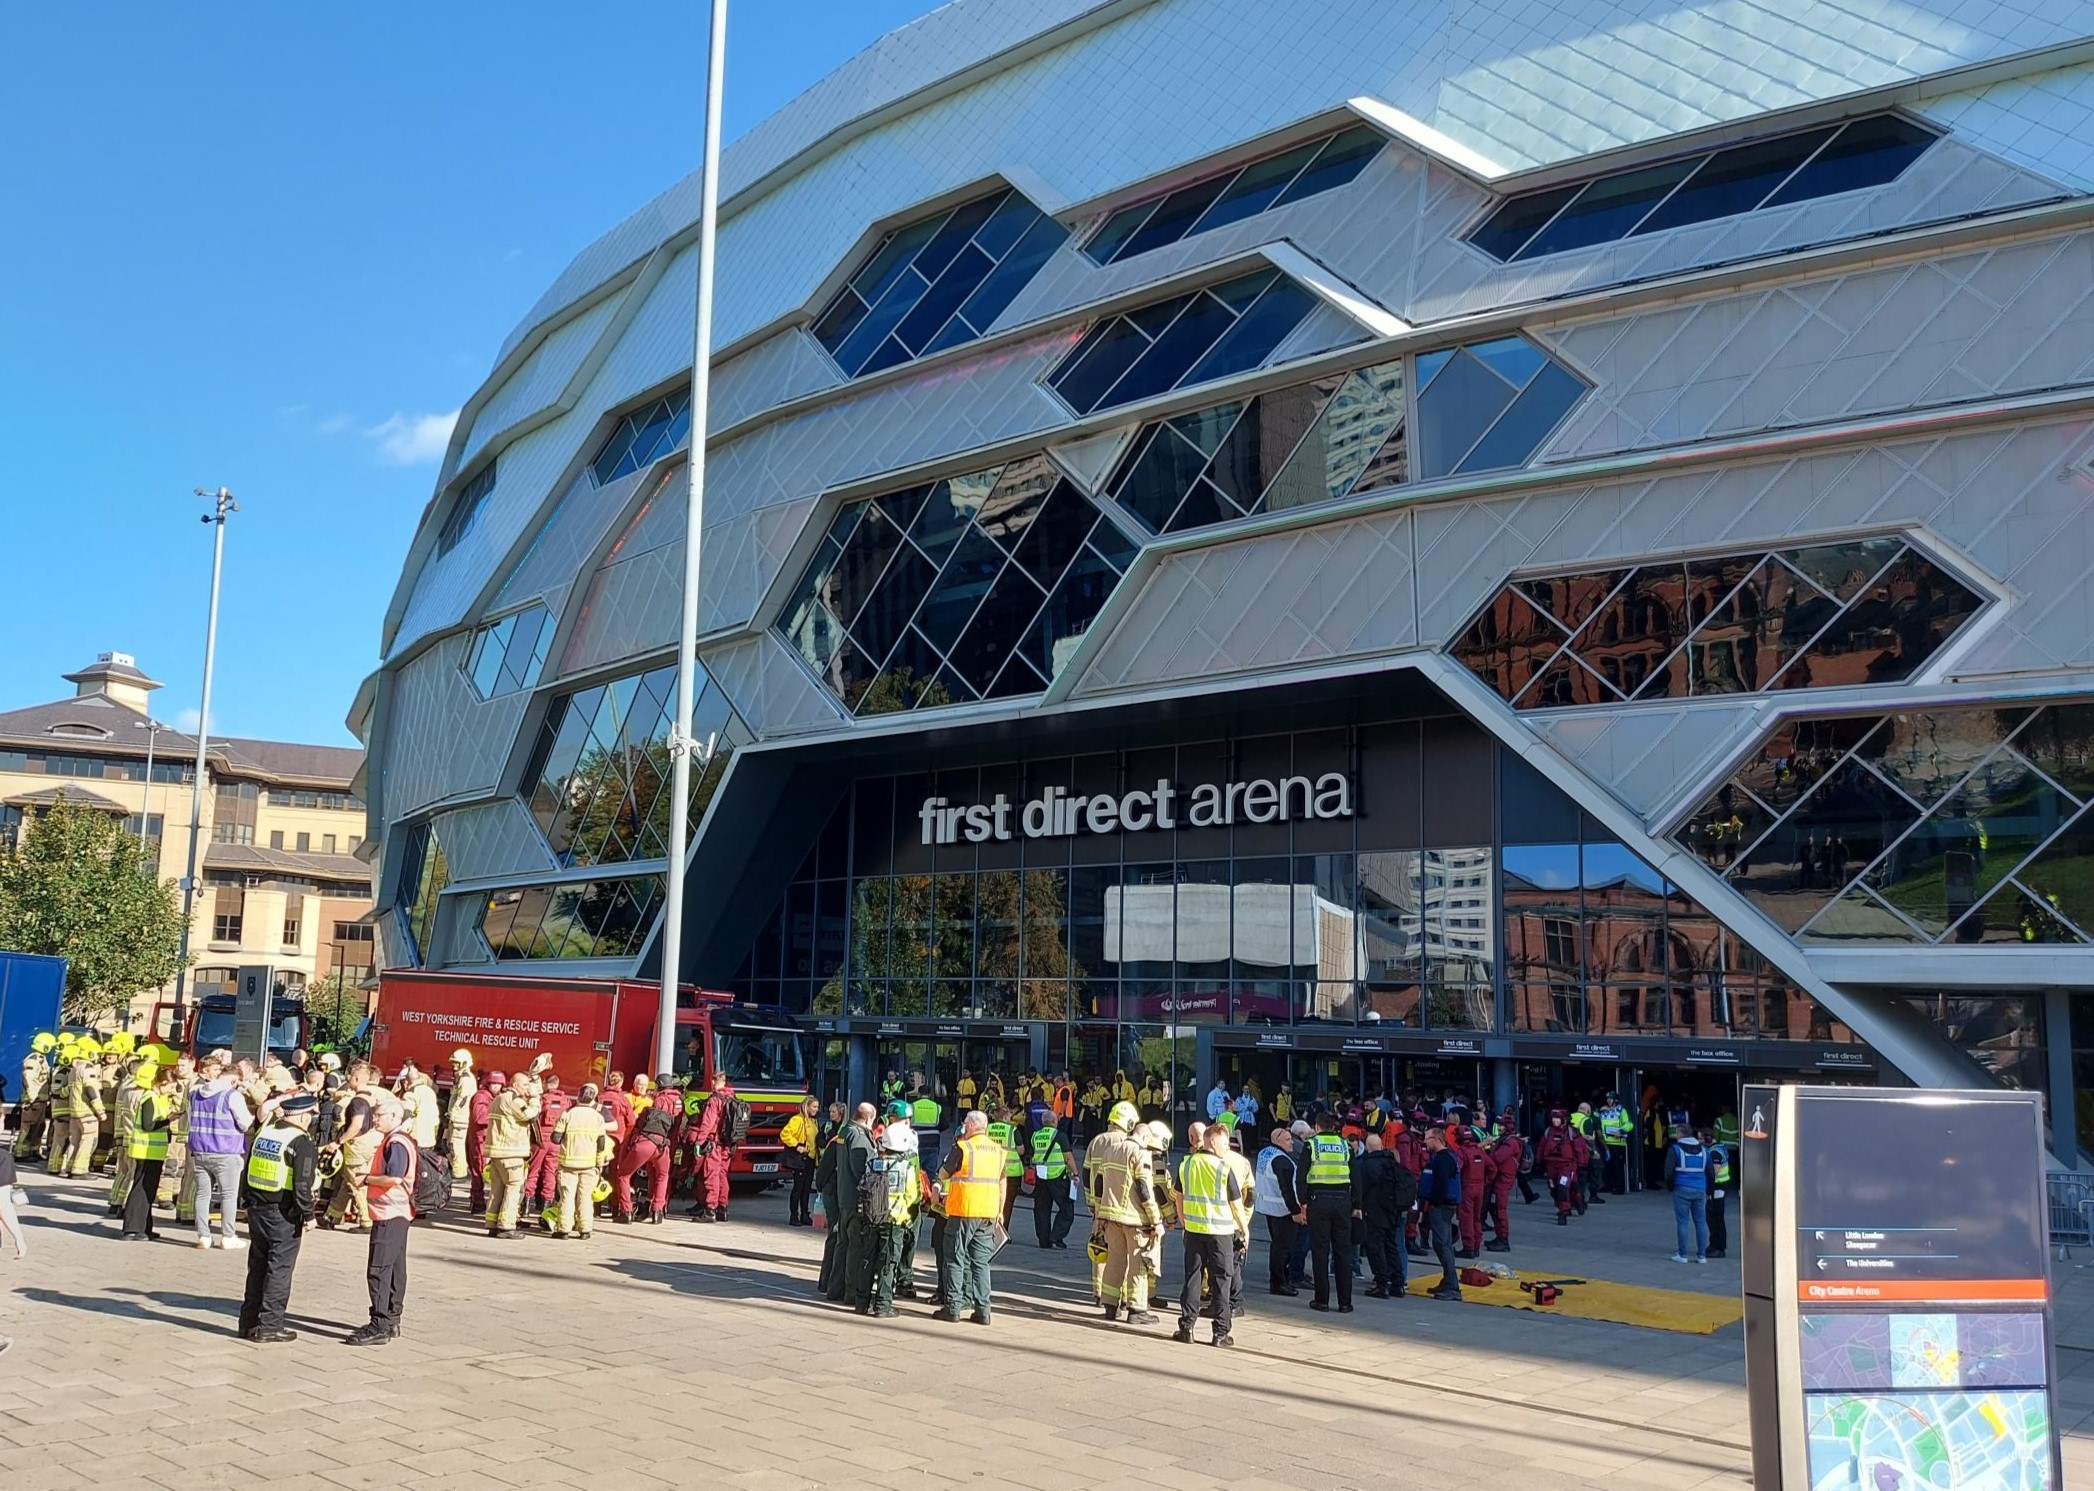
(590, 1027)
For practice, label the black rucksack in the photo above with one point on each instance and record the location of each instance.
(432, 1183)
(1405, 1189)
(883, 1180)
(734, 1123)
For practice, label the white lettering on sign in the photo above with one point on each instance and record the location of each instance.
(1058, 813)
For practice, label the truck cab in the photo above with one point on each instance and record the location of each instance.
(209, 1024)
(763, 1052)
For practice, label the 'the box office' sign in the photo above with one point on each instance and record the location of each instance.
(1057, 813)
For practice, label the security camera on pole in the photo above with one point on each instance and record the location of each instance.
(681, 745)
(222, 505)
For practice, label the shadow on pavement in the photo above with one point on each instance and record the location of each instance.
(123, 1309)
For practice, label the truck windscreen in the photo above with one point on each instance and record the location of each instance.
(214, 1027)
(752, 1056)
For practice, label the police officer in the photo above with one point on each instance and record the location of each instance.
(1053, 1210)
(1719, 1187)
(277, 1189)
(1615, 1127)
(1328, 1184)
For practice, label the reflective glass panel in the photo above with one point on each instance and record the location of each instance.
(1609, 208)
(1734, 180)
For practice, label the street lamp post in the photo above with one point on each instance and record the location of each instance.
(222, 505)
(152, 729)
(681, 745)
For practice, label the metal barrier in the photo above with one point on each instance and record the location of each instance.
(2071, 1210)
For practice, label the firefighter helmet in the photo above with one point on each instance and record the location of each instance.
(1124, 1116)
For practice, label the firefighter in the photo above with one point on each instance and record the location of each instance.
(1561, 1157)
(1123, 1199)
(1155, 1140)
(131, 1095)
(647, 1148)
(509, 1132)
(84, 1114)
(542, 1182)
(458, 1113)
(1478, 1176)
(714, 1138)
(481, 1112)
(33, 1102)
(1505, 1157)
(585, 1148)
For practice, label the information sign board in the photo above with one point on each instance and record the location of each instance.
(1897, 1290)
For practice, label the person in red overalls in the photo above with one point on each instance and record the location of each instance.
(1505, 1163)
(714, 1153)
(1561, 1157)
(617, 1106)
(542, 1181)
(1476, 1176)
(1409, 1144)
(646, 1147)
(476, 1138)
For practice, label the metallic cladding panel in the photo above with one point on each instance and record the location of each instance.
(1990, 322)
(441, 739)
(544, 377)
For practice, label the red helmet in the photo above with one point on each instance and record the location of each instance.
(497, 1079)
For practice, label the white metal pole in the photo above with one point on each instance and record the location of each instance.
(145, 814)
(223, 504)
(681, 745)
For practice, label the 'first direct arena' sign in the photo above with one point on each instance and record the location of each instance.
(1059, 813)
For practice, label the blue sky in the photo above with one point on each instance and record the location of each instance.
(269, 246)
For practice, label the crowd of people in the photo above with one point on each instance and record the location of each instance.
(1345, 1190)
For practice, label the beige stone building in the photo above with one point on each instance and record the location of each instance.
(279, 882)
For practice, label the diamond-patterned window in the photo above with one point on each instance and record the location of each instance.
(1955, 827)
(1176, 343)
(1289, 448)
(1870, 610)
(1490, 404)
(937, 283)
(1796, 167)
(423, 876)
(599, 780)
(976, 587)
(582, 919)
(465, 510)
(508, 653)
(645, 435)
(1319, 165)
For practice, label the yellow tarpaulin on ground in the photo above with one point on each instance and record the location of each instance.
(1625, 1304)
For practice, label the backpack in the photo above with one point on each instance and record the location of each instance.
(1526, 1157)
(432, 1183)
(734, 1123)
(1405, 1189)
(883, 1181)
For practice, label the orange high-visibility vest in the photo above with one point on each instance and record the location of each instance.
(977, 1190)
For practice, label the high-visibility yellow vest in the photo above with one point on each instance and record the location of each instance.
(923, 1113)
(1203, 1188)
(976, 1189)
(268, 1172)
(1614, 1126)
(1049, 1160)
(148, 1143)
(1330, 1161)
(1006, 1139)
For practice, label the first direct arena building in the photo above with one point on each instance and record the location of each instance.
(1524, 548)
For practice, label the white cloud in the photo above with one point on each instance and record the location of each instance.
(336, 424)
(185, 720)
(412, 439)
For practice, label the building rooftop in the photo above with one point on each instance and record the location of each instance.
(255, 860)
(107, 718)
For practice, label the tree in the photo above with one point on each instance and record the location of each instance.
(77, 887)
(335, 1007)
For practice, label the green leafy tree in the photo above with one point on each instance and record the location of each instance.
(334, 1007)
(77, 887)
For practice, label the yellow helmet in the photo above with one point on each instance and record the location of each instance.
(161, 1052)
(1124, 1116)
(122, 1043)
(602, 1192)
(88, 1046)
(43, 1041)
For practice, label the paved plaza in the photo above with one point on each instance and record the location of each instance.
(655, 1354)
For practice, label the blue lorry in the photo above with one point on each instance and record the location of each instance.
(31, 986)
